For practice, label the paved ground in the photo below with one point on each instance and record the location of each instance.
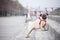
(13, 28)
(55, 18)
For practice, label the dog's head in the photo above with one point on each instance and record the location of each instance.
(44, 16)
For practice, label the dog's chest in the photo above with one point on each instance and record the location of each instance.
(36, 24)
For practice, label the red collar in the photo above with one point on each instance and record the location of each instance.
(41, 20)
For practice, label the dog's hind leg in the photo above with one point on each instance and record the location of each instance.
(29, 31)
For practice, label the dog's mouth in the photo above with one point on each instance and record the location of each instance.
(44, 18)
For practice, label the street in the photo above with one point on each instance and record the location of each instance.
(14, 28)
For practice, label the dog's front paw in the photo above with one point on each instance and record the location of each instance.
(27, 36)
(43, 29)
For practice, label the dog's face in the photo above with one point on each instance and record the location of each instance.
(44, 16)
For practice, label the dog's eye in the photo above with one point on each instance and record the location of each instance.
(40, 14)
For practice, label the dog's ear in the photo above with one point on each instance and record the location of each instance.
(47, 14)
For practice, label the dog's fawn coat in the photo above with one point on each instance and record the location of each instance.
(37, 24)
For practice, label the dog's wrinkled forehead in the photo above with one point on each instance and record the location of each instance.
(42, 14)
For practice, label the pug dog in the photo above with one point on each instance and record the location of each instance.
(39, 23)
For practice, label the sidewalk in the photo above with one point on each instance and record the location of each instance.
(55, 25)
